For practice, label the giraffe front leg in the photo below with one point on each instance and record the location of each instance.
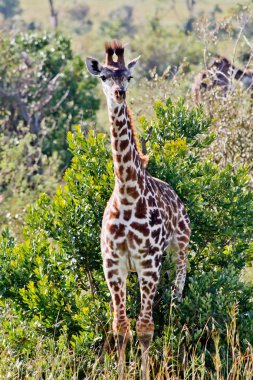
(145, 325)
(116, 280)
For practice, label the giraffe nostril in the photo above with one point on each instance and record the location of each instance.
(120, 93)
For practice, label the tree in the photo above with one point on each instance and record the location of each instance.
(44, 91)
(10, 8)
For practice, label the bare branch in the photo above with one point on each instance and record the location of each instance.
(49, 91)
(61, 100)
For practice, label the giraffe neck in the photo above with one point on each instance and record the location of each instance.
(128, 166)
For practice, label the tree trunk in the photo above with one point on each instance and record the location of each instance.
(54, 15)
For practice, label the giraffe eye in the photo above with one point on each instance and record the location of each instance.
(103, 77)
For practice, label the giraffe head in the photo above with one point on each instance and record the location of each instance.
(115, 75)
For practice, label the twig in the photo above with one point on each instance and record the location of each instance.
(144, 141)
(61, 100)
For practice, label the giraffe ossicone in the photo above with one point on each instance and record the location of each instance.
(143, 218)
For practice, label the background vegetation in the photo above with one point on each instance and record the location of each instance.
(56, 175)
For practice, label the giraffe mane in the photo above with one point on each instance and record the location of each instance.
(144, 158)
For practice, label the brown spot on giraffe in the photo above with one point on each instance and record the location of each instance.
(123, 132)
(112, 272)
(141, 209)
(146, 263)
(127, 215)
(141, 227)
(110, 263)
(127, 157)
(132, 192)
(131, 174)
(122, 247)
(117, 299)
(123, 144)
(119, 123)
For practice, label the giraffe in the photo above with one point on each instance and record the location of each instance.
(221, 73)
(143, 218)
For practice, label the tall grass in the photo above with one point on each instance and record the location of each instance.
(182, 361)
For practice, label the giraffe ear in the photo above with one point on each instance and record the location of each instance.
(93, 66)
(131, 64)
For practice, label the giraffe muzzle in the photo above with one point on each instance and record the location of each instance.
(120, 95)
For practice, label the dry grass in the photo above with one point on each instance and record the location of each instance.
(51, 361)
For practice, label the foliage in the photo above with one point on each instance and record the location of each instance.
(52, 276)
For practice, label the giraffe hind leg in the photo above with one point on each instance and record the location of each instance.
(179, 257)
(181, 266)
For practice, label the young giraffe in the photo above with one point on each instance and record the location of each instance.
(143, 217)
(220, 74)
